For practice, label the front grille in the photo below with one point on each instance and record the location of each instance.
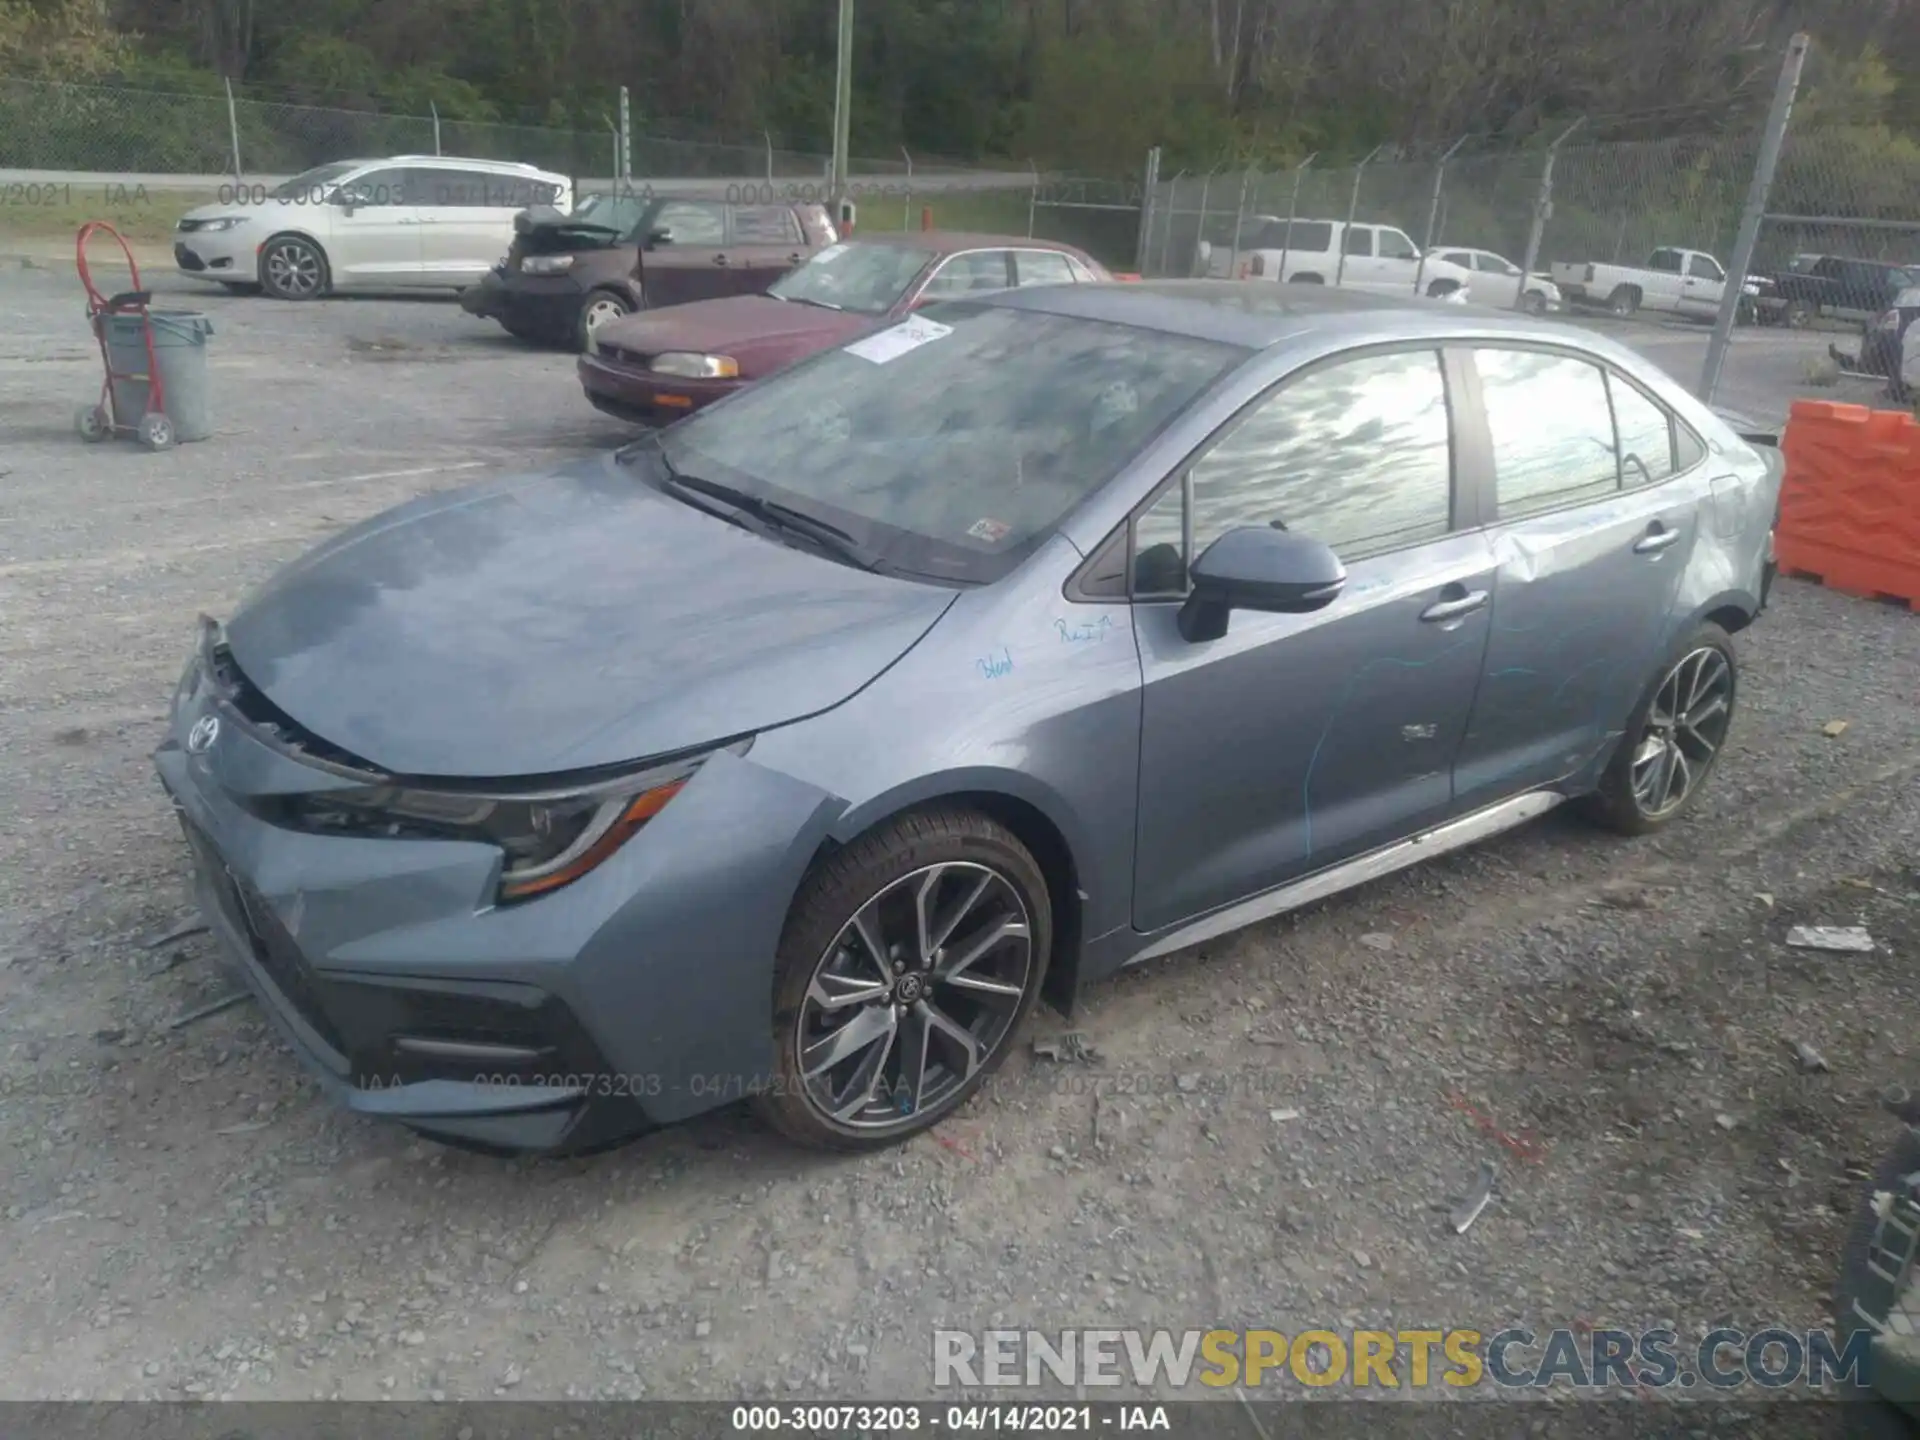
(625, 356)
(248, 912)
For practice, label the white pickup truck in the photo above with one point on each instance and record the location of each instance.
(1673, 282)
(1331, 252)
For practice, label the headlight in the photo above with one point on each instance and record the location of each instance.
(220, 222)
(550, 839)
(695, 367)
(547, 264)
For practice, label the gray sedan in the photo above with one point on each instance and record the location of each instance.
(795, 752)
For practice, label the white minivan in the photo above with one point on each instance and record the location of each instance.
(406, 222)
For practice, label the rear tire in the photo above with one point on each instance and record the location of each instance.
(1624, 301)
(931, 936)
(1798, 315)
(1674, 739)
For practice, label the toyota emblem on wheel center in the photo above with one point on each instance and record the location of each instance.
(205, 731)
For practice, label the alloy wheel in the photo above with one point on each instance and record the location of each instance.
(600, 311)
(916, 993)
(1686, 726)
(293, 269)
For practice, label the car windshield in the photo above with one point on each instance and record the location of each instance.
(866, 278)
(309, 182)
(950, 446)
(620, 214)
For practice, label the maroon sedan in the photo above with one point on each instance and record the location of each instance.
(655, 367)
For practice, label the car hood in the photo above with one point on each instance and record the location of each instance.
(564, 622)
(758, 331)
(247, 209)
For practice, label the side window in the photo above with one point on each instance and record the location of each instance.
(1458, 257)
(765, 225)
(1494, 265)
(693, 222)
(1705, 268)
(1646, 435)
(1358, 240)
(1042, 267)
(376, 188)
(1666, 261)
(1396, 245)
(974, 270)
(1552, 430)
(1309, 237)
(1081, 273)
(1357, 453)
(1688, 448)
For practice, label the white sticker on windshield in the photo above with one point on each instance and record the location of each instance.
(892, 343)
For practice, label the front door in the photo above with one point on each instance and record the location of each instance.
(766, 243)
(373, 234)
(466, 220)
(1594, 525)
(690, 264)
(1296, 741)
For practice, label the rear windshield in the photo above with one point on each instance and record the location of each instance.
(951, 446)
(865, 278)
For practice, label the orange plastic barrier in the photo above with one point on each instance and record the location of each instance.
(1125, 275)
(1850, 504)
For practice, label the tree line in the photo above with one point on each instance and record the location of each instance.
(1080, 84)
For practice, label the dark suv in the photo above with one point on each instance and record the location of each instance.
(567, 273)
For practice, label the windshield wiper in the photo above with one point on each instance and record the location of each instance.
(774, 516)
(807, 300)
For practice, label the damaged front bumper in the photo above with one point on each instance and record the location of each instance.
(633, 997)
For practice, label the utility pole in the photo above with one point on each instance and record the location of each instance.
(842, 108)
(1771, 141)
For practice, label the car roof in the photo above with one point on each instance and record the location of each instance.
(947, 242)
(1255, 314)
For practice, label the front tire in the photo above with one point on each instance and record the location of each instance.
(292, 267)
(1674, 739)
(1534, 303)
(597, 309)
(907, 965)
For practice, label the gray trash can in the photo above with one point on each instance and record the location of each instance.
(180, 351)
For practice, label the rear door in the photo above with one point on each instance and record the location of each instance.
(1702, 286)
(1596, 493)
(1355, 264)
(373, 233)
(1660, 282)
(691, 263)
(766, 243)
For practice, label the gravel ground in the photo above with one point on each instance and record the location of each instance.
(1613, 1022)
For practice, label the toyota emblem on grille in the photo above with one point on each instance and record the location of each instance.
(205, 731)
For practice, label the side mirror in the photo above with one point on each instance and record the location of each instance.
(1259, 568)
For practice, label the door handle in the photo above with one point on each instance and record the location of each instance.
(1452, 609)
(720, 260)
(795, 258)
(1654, 541)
